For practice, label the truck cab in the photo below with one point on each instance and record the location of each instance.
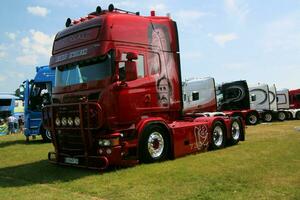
(118, 94)
(265, 102)
(234, 99)
(36, 94)
(287, 101)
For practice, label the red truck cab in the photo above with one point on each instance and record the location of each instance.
(117, 98)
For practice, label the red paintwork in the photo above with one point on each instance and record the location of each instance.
(294, 103)
(123, 107)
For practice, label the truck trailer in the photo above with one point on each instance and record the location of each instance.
(36, 94)
(118, 97)
(289, 101)
(263, 98)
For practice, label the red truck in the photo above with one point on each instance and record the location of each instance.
(118, 96)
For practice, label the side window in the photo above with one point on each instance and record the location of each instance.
(153, 63)
(298, 97)
(195, 96)
(140, 66)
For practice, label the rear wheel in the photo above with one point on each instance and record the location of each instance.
(298, 115)
(289, 115)
(154, 144)
(252, 119)
(218, 135)
(236, 131)
(46, 135)
(281, 116)
(267, 117)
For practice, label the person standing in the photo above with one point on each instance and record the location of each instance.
(11, 128)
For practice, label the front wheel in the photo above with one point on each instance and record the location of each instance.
(252, 119)
(46, 135)
(218, 135)
(154, 144)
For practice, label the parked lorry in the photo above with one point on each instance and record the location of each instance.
(7, 105)
(234, 100)
(202, 96)
(36, 94)
(263, 98)
(289, 101)
(118, 94)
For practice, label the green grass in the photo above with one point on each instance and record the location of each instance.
(265, 166)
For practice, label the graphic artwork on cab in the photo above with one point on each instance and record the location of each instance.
(201, 137)
(272, 97)
(159, 41)
(257, 91)
(164, 90)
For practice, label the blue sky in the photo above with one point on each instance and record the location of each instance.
(227, 39)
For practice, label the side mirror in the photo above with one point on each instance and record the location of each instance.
(131, 70)
(253, 97)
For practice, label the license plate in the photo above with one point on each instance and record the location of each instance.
(74, 161)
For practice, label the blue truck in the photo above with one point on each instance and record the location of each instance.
(37, 93)
(9, 105)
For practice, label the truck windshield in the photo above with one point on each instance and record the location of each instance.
(90, 70)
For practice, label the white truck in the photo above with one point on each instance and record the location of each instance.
(263, 98)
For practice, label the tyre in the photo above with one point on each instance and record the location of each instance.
(252, 119)
(236, 131)
(289, 115)
(281, 116)
(218, 138)
(154, 144)
(298, 115)
(267, 117)
(46, 135)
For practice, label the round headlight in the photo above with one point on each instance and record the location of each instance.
(64, 121)
(70, 121)
(77, 121)
(57, 121)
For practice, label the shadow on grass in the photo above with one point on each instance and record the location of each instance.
(40, 172)
(20, 141)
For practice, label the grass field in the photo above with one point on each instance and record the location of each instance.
(265, 166)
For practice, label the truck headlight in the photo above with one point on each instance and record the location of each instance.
(57, 121)
(70, 121)
(64, 121)
(77, 121)
(109, 142)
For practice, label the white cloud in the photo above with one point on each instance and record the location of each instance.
(38, 11)
(222, 39)
(27, 60)
(237, 8)
(11, 36)
(35, 47)
(37, 43)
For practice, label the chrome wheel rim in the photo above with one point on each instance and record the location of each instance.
(48, 134)
(235, 130)
(155, 144)
(268, 117)
(252, 119)
(218, 136)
